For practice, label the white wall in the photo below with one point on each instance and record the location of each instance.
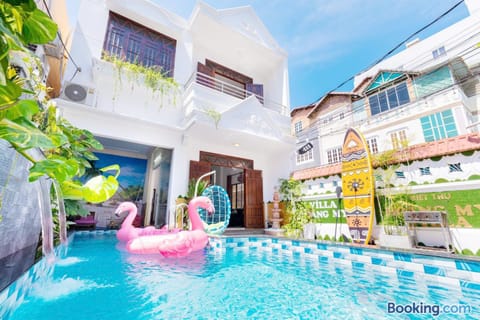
(124, 114)
(273, 165)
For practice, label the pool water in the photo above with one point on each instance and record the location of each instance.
(97, 279)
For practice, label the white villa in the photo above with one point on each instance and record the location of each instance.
(229, 113)
(423, 102)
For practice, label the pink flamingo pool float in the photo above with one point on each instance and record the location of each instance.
(169, 244)
(127, 231)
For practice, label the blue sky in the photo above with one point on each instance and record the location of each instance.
(328, 41)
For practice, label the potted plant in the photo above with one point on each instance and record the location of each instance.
(201, 185)
(182, 201)
(392, 206)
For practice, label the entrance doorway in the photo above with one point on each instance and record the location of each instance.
(243, 184)
(231, 179)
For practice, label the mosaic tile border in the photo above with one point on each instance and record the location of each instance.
(451, 271)
(12, 296)
(460, 273)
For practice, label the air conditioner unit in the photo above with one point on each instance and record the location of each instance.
(79, 94)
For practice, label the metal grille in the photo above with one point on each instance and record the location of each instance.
(217, 222)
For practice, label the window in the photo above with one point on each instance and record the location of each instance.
(305, 157)
(335, 183)
(334, 155)
(389, 99)
(399, 139)
(298, 126)
(437, 53)
(236, 190)
(341, 116)
(425, 171)
(320, 185)
(455, 167)
(400, 174)
(439, 126)
(138, 44)
(372, 145)
(433, 82)
(309, 187)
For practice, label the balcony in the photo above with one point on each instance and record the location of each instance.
(124, 93)
(225, 94)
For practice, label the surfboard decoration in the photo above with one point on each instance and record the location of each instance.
(358, 186)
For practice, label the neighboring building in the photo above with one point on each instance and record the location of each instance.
(423, 102)
(230, 113)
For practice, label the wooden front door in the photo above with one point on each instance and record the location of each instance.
(253, 199)
(199, 168)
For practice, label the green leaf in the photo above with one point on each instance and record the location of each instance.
(89, 155)
(113, 167)
(4, 48)
(56, 167)
(9, 93)
(12, 40)
(23, 134)
(100, 189)
(16, 20)
(72, 190)
(58, 139)
(38, 28)
(27, 5)
(3, 78)
(24, 108)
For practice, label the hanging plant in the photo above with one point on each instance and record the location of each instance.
(214, 114)
(158, 82)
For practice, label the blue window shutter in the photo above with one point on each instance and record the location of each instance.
(256, 89)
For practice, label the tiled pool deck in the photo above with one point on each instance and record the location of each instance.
(455, 271)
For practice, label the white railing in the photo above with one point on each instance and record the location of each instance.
(328, 125)
(234, 91)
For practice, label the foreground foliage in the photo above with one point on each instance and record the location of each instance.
(28, 119)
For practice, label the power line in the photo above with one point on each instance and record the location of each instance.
(464, 54)
(78, 69)
(312, 132)
(393, 49)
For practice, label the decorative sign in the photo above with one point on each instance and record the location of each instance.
(327, 210)
(305, 148)
(462, 207)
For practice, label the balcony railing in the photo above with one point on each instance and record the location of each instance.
(329, 124)
(234, 91)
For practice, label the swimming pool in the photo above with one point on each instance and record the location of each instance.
(254, 277)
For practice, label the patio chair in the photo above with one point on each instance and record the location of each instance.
(87, 222)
